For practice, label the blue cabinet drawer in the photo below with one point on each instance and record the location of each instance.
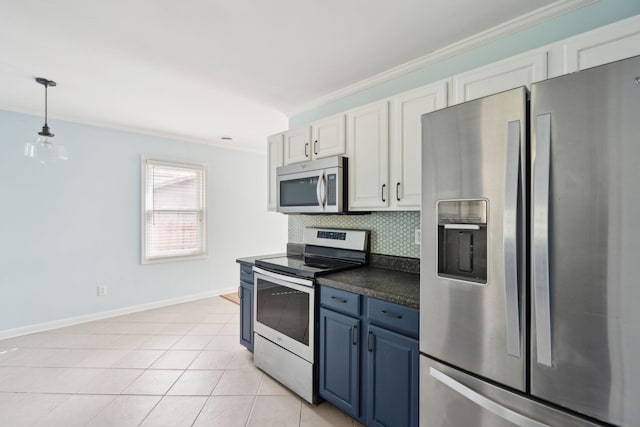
(395, 317)
(246, 273)
(343, 301)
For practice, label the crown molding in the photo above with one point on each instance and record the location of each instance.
(520, 23)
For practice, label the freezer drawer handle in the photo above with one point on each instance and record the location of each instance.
(484, 402)
(509, 239)
(541, 297)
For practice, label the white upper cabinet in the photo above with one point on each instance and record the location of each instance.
(323, 138)
(275, 159)
(521, 70)
(328, 137)
(602, 45)
(368, 153)
(297, 145)
(406, 154)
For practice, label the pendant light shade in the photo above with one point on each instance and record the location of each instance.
(44, 148)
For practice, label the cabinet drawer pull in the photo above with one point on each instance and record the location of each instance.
(343, 301)
(398, 191)
(315, 147)
(383, 187)
(306, 153)
(240, 292)
(390, 314)
(370, 341)
(354, 335)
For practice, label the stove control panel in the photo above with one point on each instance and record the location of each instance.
(357, 240)
(322, 234)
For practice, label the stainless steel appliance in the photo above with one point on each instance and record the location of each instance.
(316, 186)
(541, 327)
(285, 305)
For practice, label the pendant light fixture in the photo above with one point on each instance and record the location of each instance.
(44, 148)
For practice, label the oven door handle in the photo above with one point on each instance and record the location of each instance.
(291, 279)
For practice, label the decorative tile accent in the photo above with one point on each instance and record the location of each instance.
(392, 233)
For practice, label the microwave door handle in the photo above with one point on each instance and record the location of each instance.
(319, 190)
(323, 190)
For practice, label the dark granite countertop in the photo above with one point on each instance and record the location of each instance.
(251, 260)
(388, 285)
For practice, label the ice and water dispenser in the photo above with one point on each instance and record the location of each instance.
(462, 240)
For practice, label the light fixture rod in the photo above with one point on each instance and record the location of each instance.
(46, 83)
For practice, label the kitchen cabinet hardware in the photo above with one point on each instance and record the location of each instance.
(370, 341)
(390, 314)
(354, 335)
(315, 147)
(342, 300)
(397, 191)
(383, 187)
(306, 151)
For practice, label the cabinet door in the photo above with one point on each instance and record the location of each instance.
(392, 378)
(274, 160)
(521, 70)
(368, 152)
(603, 45)
(339, 361)
(297, 145)
(406, 153)
(328, 137)
(246, 314)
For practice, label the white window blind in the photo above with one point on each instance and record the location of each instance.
(174, 221)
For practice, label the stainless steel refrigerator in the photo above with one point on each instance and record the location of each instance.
(530, 265)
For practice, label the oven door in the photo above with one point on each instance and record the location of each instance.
(284, 311)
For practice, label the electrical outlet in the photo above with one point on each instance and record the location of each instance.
(102, 291)
(418, 236)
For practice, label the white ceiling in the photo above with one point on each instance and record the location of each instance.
(201, 69)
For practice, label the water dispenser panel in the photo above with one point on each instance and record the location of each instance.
(462, 240)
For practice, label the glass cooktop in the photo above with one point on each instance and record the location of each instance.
(306, 266)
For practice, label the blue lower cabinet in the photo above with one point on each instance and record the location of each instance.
(340, 361)
(246, 314)
(393, 378)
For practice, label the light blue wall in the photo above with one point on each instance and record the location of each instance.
(67, 227)
(595, 15)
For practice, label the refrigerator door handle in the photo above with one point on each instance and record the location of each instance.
(510, 238)
(484, 402)
(541, 297)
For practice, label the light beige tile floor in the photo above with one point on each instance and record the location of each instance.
(180, 365)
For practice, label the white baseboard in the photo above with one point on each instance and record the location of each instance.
(69, 321)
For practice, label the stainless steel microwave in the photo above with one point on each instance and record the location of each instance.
(316, 186)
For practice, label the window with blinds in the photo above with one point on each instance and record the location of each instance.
(174, 216)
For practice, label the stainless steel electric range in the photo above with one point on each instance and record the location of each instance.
(285, 305)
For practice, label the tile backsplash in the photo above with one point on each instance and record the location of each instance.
(392, 233)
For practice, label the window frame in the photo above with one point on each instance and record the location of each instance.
(145, 161)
